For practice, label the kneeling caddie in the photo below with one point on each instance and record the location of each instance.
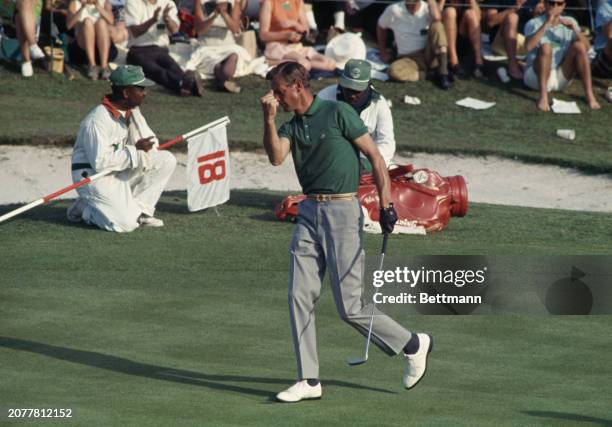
(115, 136)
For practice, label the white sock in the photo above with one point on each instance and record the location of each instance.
(312, 24)
(339, 20)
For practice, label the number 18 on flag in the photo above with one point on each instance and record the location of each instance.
(208, 169)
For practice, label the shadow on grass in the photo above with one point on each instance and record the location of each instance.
(131, 367)
(569, 417)
(173, 202)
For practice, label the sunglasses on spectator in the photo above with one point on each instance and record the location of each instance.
(556, 3)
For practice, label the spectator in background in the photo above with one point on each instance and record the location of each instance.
(119, 32)
(420, 39)
(91, 20)
(364, 14)
(602, 64)
(282, 25)
(355, 88)
(216, 23)
(462, 25)
(504, 21)
(556, 50)
(150, 22)
(26, 16)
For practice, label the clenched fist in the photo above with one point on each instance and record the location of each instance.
(269, 105)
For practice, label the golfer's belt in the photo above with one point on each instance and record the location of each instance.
(328, 197)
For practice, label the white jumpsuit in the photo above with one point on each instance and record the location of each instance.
(106, 140)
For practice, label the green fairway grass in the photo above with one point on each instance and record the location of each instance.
(48, 109)
(188, 325)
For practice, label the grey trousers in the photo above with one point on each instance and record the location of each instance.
(328, 236)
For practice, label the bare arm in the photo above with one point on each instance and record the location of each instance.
(265, 17)
(607, 30)
(494, 17)
(276, 148)
(232, 22)
(434, 11)
(381, 39)
(171, 24)
(303, 22)
(531, 42)
(140, 29)
(202, 22)
(366, 145)
(74, 14)
(106, 12)
(569, 23)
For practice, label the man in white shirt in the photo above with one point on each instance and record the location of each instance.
(420, 38)
(355, 88)
(149, 23)
(115, 136)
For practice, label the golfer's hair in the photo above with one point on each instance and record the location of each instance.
(290, 72)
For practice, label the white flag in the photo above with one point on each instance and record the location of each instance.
(208, 169)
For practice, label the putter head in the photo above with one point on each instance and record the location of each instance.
(354, 361)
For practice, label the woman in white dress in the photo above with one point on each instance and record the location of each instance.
(92, 20)
(216, 22)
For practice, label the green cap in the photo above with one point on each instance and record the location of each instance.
(356, 75)
(129, 75)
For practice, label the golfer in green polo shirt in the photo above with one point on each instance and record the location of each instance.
(325, 139)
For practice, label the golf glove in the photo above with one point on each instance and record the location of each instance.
(387, 218)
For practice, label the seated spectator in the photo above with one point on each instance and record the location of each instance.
(26, 16)
(115, 136)
(150, 22)
(355, 88)
(91, 20)
(504, 20)
(282, 25)
(556, 51)
(420, 39)
(215, 24)
(602, 64)
(462, 25)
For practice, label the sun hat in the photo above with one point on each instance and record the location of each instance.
(344, 47)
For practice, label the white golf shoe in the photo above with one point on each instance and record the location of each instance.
(300, 391)
(150, 221)
(415, 364)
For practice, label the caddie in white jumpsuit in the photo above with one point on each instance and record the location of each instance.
(115, 136)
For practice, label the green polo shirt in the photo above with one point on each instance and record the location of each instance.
(326, 161)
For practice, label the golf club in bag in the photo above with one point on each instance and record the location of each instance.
(353, 361)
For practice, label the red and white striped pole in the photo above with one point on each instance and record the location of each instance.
(167, 144)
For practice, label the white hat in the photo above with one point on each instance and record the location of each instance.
(344, 47)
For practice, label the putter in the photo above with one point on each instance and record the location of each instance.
(354, 361)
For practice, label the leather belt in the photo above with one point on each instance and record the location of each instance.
(79, 166)
(328, 197)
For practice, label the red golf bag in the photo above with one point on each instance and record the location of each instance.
(421, 197)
